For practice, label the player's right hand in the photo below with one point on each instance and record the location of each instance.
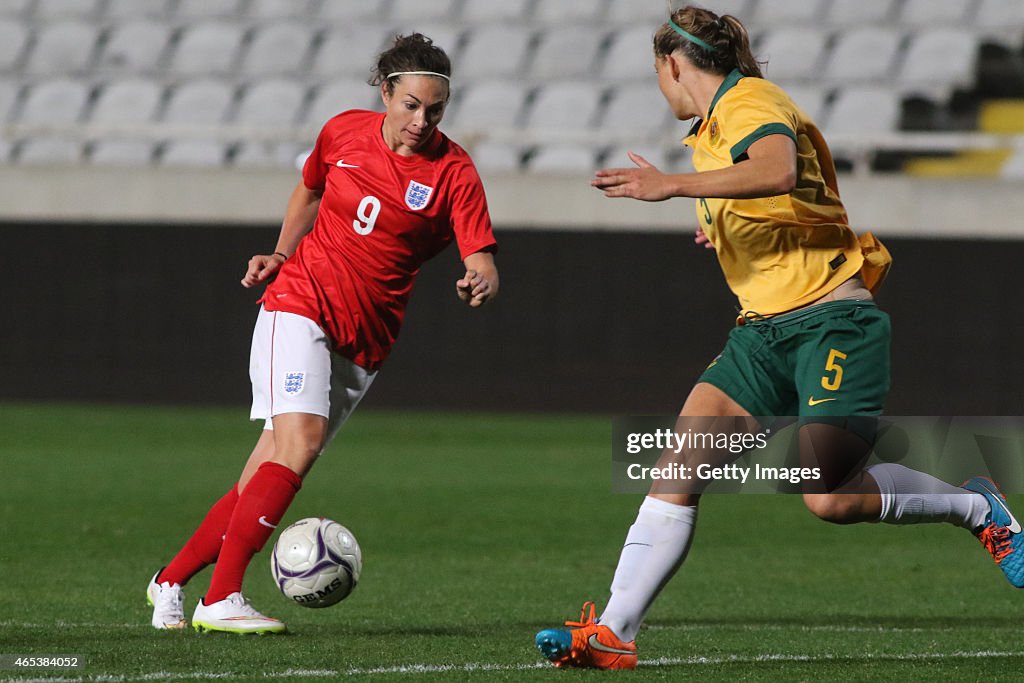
(261, 267)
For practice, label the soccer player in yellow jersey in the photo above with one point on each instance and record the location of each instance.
(810, 342)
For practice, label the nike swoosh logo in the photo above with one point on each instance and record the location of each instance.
(812, 402)
(263, 520)
(596, 644)
(1014, 525)
(341, 164)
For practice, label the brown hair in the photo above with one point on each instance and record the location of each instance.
(414, 52)
(725, 34)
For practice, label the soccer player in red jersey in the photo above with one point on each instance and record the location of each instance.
(380, 194)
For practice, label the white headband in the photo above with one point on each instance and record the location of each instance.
(418, 73)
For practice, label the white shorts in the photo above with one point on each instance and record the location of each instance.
(293, 370)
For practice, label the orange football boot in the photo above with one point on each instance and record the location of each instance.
(588, 645)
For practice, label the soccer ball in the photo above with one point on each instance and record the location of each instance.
(316, 562)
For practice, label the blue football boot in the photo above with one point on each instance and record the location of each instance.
(1001, 535)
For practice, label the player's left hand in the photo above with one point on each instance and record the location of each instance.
(646, 182)
(473, 288)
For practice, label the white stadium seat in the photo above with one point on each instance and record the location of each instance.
(637, 109)
(199, 102)
(488, 105)
(266, 155)
(64, 9)
(811, 98)
(131, 101)
(198, 153)
(344, 12)
(494, 51)
(786, 12)
(50, 150)
(793, 53)
(863, 110)
(860, 12)
(264, 10)
(563, 158)
(119, 152)
(943, 57)
(863, 55)
(566, 105)
(1001, 19)
(273, 102)
(647, 14)
(277, 49)
(204, 48)
(8, 96)
(617, 156)
(741, 9)
(497, 157)
(491, 12)
(205, 9)
(566, 52)
(631, 55)
(121, 10)
(135, 46)
(349, 50)
(13, 39)
(14, 8)
(932, 12)
(337, 96)
(58, 101)
(548, 13)
(62, 47)
(406, 11)
(5, 150)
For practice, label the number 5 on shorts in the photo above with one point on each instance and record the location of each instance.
(831, 365)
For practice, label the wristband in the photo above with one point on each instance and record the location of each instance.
(277, 253)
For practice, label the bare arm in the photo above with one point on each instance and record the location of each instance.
(298, 221)
(769, 170)
(480, 283)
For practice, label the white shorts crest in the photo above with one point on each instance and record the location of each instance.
(417, 196)
(293, 383)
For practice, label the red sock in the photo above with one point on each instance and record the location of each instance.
(260, 507)
(201, 550)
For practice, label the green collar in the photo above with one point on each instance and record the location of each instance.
(732, 79)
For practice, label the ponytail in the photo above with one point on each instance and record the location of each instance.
(714, 44)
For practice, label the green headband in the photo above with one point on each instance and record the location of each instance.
(690, 37)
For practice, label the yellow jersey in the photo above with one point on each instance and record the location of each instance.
(777, 253)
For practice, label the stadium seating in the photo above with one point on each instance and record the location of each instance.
(122, 10)
(50, 150)
(199, 102)
(566, 52)
(13, 39)
(276, 49)
(199, 153)
(497, 157)
(793, 53)
(62, 48)
(533, 66)
(563, 158)
(130, 101)
(134, 47)
(207, 47)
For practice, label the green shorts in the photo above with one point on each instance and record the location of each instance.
(828, 360)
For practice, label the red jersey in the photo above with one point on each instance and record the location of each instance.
(381, 216)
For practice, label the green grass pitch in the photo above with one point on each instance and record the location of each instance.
(477, 530)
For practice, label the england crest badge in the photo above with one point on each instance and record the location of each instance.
(293, 383)
(417, 196)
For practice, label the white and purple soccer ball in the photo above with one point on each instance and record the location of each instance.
(316, 562)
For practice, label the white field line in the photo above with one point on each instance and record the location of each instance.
(472, 668)
(838, 628)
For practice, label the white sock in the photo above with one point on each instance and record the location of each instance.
(912, 497)
(655, 547)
